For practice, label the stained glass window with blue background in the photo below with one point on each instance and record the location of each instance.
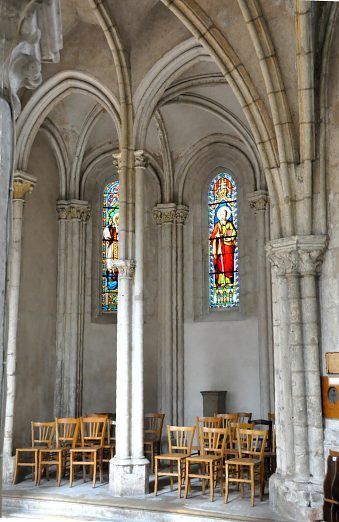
(223, 242)
(110, 240)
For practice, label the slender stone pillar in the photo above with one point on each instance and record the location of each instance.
(129, 469)
(298, 488)
(170, 218)
(23, 184)
(259, 202)
(138, 314)
(73, 216)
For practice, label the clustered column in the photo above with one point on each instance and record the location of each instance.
(171, 218)
(259, 203)
(73, 216)
(23, 185)
(296, 262)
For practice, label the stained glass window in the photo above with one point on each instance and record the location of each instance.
(223, 242)
(110, 240)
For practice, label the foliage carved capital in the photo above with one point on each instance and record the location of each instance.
(73, 210)
(23, 184)
(170, 213)
(126, 267)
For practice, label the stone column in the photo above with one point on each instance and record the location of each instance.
(23, 184)
(170, 218)
(138, 313)
(259, 203)
(297, 488)
(73, 216)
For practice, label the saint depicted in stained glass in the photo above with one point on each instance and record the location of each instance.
(223, 242)
(110, 240)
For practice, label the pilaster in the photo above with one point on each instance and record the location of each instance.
(259, 202)
(298, 488)
(171, 218)
(73, 216)
(23, 185)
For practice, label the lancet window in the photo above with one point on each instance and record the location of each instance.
(110, 244)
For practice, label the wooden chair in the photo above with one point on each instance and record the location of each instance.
(180, 440)
(251, 444)
(109, 443)
(244, 417)
(227, 418)
(213, 441)
(67, 431)
(153, 423)
(92, 441)
(204, 422)
(42, 434)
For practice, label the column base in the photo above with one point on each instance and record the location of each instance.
(298, 500)
(8, 464)
(128, 477)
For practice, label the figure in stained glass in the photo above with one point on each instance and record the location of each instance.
(110, 241)
(223, 248)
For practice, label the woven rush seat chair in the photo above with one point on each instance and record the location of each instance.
(66, 437)
(42, 434)
(210, 460)
(251, 445)
(90, 453)
(206, 422)
(180, 440)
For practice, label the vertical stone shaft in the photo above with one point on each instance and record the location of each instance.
(23, 185)
(259, 202)
(312, 376)
(295, 342)
(73, 216)
(138, 313)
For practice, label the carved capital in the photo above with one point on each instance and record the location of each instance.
(126, 267)
(23, 184)
(117, 160)
(170, 213)
(74, 209)
(140, 159)
(181, 214)
(298, 255)
(258, 200)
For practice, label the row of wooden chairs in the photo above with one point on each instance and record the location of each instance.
(57, 444)
(224, 445)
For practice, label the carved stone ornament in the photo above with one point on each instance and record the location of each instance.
(170, 213)
(74, 209)
(140, 160)
(258, 200)
(33, 35)
(126, 267)
(298, 255)
(117, 160)
(23, 184)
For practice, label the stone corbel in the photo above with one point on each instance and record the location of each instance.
(258, 200)
(170, 213)
(23, 184)
(140, 159)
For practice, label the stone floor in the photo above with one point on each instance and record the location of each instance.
(85, 503)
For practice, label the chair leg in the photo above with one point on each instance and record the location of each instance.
(156, 477)
(211, 481)
(70, 469)
(95, 467)
(252, 485)
(221, 484)
(187, 477)
(101, 464)
(262, 480)
(36, 459)
(179, 478)
(171, 477)
(59, 467)
(226, 484)
(15, 477)
(39, 468)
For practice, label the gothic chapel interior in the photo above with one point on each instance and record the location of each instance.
(133, 135)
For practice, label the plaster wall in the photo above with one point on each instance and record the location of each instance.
(37, 304)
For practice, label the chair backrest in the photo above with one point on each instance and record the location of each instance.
(244, 416)
(234, 428)
(180, 439)
(227, 418)
(251, 443)
(213, 440)
(153, 423)
(93, 431)
(42, 434)
(206, 422)
(264, 424)
(67, 432)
